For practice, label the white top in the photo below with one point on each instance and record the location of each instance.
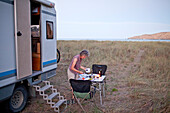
(100, 79)
(93, 78)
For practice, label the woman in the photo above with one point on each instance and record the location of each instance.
(75, 65)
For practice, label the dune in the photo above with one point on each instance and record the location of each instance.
(156, 36)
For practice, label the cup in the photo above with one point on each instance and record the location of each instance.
(87, 70)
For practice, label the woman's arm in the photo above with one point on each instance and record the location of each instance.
(83, 68)
(72, 66)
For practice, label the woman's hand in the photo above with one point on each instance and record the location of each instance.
(81, 72)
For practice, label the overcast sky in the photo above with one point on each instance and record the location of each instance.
(110, 19)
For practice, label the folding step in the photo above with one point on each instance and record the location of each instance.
(36, 82)
(52, 104)
(37, 88)
(45, 87)
(50, 97)
(47, 82)
(41, 90)
(59, 103)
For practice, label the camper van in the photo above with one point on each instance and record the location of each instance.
(27, 48)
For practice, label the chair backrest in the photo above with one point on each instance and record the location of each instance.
(96, 68)
(82, 86)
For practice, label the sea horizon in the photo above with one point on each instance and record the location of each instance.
(135, 40)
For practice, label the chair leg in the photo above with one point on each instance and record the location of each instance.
(79, 103)
(85, 97)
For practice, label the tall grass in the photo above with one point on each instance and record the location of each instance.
(106, 52)
(149, 82)
(152, 79)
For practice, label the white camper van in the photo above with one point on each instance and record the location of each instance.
(27, 48)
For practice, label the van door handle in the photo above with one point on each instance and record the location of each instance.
(19, 33)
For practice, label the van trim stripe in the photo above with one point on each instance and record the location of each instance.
(48, 13)
(48, 63)
(9, 73)
(8, 76)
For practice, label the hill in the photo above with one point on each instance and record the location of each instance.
(156, 36)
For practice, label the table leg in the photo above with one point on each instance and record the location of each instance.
(103, 89)
(100, 93)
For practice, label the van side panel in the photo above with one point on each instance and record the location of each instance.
(49, 59)
(7, 49)
(6, 92)
(7, 40)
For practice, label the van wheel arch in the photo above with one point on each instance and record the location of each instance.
(58, 56)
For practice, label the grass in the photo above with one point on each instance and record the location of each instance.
(131, 86)
(96, 110)
(105, 52)
(114, 89)
(150, 81)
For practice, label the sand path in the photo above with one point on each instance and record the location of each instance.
(119, 100)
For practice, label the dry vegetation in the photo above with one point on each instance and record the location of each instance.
(138, 76)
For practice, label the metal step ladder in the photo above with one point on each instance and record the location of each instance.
(49, 97)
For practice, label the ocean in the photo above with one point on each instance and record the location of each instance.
(135, 40)
(138, 40)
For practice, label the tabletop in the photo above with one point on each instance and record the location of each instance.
(92, 77)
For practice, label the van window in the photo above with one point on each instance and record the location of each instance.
(49, 29)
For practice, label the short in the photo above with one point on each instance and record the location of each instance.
(71, 75)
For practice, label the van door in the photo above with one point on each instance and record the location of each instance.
(48, 34)
(23, 38)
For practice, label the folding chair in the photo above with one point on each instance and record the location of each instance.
(81, 89)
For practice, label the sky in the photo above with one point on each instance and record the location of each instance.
(110, 19)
